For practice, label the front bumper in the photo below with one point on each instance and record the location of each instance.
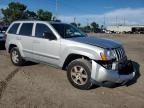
(101, 75)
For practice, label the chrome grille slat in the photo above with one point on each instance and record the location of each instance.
(119, 53)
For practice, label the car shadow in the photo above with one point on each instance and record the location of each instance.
(29, 63)
(131, 82)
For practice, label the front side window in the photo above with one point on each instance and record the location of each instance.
(41, 29)
(26, 29)
(68, 31)
(14, 28)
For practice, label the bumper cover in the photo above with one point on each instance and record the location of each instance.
(100, 74)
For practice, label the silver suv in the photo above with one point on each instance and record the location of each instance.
(87, 60)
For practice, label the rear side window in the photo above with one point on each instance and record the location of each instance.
(14, 28)
(26, 29)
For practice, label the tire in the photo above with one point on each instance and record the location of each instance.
(79, 74)
(16, 57)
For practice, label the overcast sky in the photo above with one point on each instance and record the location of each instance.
(85, 11)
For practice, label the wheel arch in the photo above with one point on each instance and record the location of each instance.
(72, 57)
(18, 45)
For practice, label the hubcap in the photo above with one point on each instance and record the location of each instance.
(15, 56)
(79, 75)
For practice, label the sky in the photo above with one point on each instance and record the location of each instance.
(108, 12)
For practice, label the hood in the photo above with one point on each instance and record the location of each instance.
(100, 42)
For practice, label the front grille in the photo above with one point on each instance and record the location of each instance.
(119, 53)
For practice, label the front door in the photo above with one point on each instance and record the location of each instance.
(45, 50)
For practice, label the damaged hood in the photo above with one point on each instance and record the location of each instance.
(100, 42)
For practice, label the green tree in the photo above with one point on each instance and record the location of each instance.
(14, 11)
(79, 25)
(31, 14)
(86, 29)
(94, 26)
(44, 15)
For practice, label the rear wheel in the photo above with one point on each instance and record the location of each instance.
(79, 74)
(16, 57)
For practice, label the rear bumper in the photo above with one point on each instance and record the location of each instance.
(100, 74)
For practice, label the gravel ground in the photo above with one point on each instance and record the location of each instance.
(41, 86)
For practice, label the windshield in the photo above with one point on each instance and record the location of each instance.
(68, 31)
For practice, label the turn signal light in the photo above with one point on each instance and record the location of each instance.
(103, 56)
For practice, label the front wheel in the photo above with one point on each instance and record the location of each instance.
(79, 74)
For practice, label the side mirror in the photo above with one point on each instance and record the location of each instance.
(49, 35)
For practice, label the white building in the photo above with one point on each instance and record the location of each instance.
(125, 28)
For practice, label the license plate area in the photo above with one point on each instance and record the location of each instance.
(125, 68)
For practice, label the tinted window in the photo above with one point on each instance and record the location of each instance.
(14, 28)
(41, 29)
(26, 29)
(60, 29)
(68, 31)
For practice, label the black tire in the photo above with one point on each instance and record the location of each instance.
(86, 67)
(20, 60)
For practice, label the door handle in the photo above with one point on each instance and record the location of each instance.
(18, 38)
(36, 41)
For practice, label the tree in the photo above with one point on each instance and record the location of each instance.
(14, 11)
(44, 15)
(86, 29)
(31, 14)
(95, 26)
(79, 25)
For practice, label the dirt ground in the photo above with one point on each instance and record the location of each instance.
(41, 86)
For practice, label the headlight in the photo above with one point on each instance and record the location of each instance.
(107, 55)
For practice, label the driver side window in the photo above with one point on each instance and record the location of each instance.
(70, 31)
(41, 29)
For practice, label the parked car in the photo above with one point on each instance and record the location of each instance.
(2, 34)
(87, 60)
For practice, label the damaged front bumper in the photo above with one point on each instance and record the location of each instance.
(101, 75)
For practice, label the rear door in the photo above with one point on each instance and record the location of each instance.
(12, 34)
(25, 37)
(45, 50)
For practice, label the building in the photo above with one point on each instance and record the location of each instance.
(126, 28)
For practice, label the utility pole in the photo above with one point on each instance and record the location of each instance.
(56, 9)
(116, 21)
(124, 21)
(74, 19)
(87, 22)
(104, 21)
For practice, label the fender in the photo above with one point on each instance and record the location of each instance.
(18, 44)
(89, 54)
